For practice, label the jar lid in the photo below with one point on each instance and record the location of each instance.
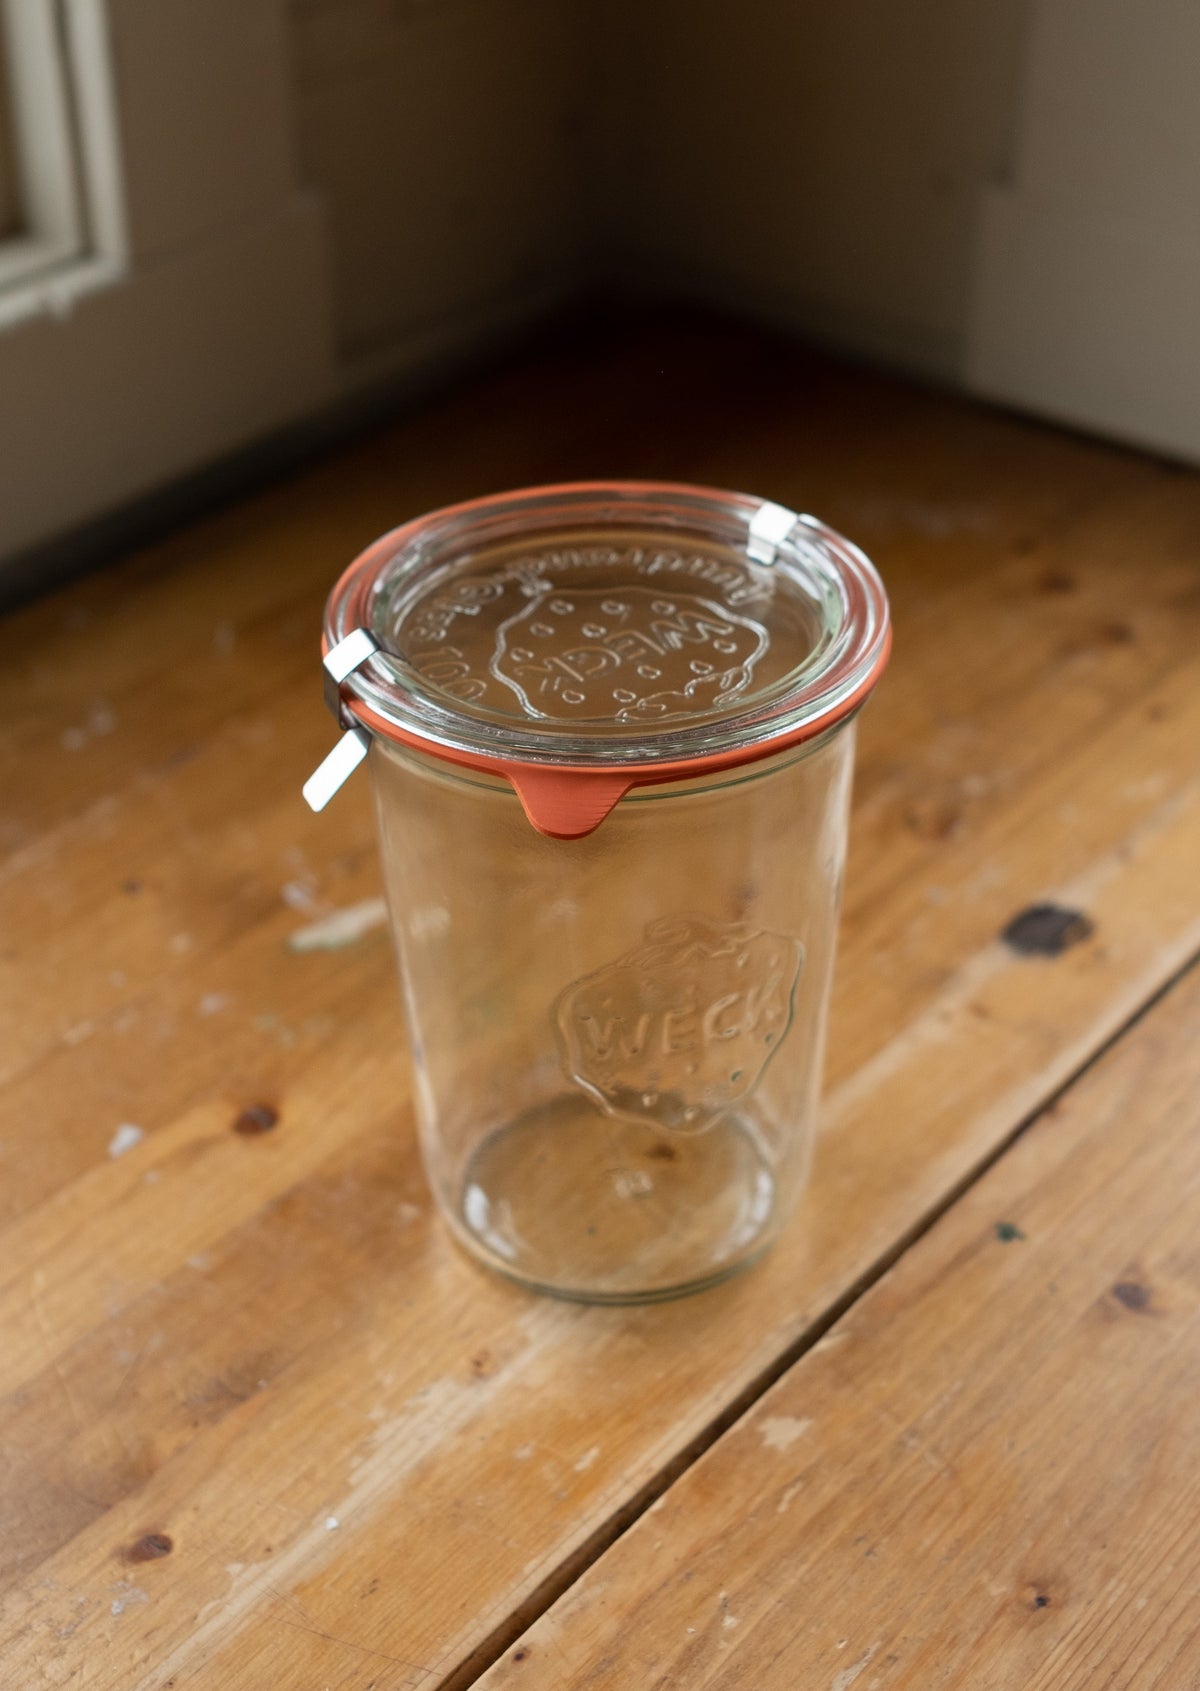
(583, 639)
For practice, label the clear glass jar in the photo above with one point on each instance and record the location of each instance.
(611, 742)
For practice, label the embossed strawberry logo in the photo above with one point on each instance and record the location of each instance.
(680, 1029)
(629, 653)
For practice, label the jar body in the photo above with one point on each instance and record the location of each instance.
(617, 1040)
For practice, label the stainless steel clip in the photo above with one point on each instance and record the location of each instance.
(344, 759)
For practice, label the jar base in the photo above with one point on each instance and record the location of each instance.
(588, 1207)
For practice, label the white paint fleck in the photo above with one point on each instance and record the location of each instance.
(299, 895)
(102, 719)
(523, 1453)
(116, 977)
(151, 1177)
(730, 1621)
(406, 1214)
(126, 1594)
(73, 739)
(212, 1003)
(178, 944)
(342, 928)
(586, 1460)
(332, 1523)
(844, 1680)
(78, 1032)
(126, 1020)
(125, 1138)
(780, 1432)
(200, 1261)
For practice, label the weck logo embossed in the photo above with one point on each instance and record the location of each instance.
(681, 1028)
(635, 653)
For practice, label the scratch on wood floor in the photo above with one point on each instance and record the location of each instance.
(844, 1680)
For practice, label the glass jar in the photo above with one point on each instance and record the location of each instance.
(610, 728)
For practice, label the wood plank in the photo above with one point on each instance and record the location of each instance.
(986, 1474)
(231, 1340)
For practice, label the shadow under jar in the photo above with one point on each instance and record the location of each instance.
(610, 729)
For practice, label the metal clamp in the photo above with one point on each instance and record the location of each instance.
(340, 661)
(769, 528)
(336, 769)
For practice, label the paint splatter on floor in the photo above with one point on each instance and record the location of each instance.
(780, 1432)
(125, 1138)
(344, 927)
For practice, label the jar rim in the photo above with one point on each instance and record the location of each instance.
(564, 775)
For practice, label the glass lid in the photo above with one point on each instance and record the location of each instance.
(610, 625)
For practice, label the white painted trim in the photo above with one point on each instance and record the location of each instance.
(89, 49)
(68, 158)
(23, 255)
(54, 290)
(41, 120)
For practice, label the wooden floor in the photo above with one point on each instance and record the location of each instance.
(262, 1425)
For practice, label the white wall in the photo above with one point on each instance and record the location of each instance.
(1087, 282)
(1003, 194)
(324, 194)
(818, 164)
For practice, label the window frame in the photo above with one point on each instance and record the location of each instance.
(63, 118)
